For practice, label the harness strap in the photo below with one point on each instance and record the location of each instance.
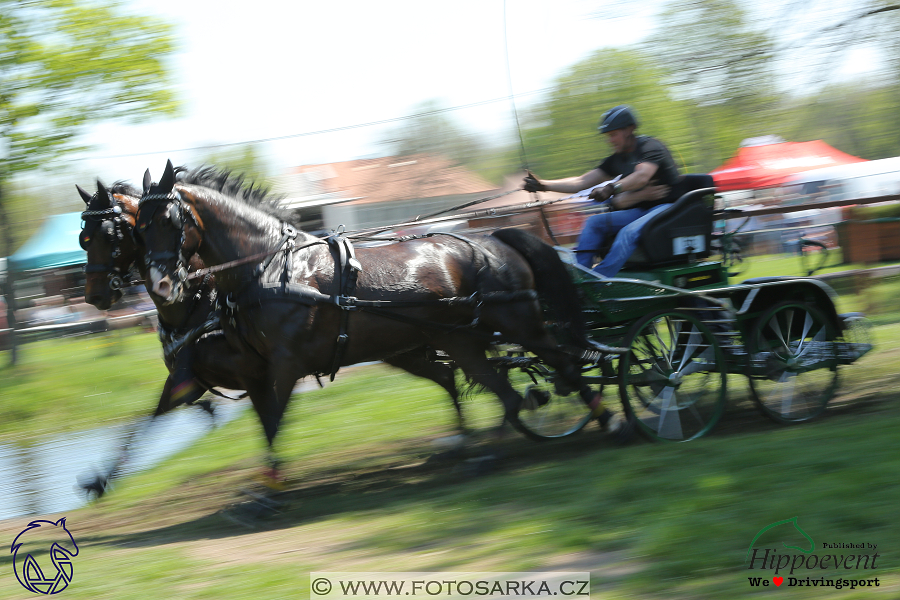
(310, 296)
(248, 259)
(288, 234)
(347, 269)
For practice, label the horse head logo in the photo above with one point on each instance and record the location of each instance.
(39, 537)
(792, 521)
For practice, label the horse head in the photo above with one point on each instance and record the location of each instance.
(108, 217)
(168, 232)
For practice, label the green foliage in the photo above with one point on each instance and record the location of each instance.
(68, 63)
(434, 132)
(721, 69)
(244, 160)
(561, 136)
(857, 118)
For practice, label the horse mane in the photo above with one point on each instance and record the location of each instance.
(234, 185)
(125, 189)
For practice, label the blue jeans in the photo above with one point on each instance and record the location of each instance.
(626, 223)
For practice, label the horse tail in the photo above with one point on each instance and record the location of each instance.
(554, 286)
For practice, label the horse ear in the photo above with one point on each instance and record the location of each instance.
(61, 522)
(84, 195)
(147, 181)
(168, 178)
(104, 193)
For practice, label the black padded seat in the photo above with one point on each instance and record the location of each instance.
(683, 231)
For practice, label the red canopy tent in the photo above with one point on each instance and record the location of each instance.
(770, 165)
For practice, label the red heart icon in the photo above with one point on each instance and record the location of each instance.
(778, 580)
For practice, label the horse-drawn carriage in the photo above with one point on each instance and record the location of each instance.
(671, 329)
(517, 316)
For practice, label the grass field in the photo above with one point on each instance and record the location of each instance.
(647, 520)
(70, 384)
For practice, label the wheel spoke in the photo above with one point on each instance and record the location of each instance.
(663, 344)
(704, 361)
(819, 337)
(693, 341)
(669, 419)
(788, 381)
(807, 325)
(675, 335)
(773, 323)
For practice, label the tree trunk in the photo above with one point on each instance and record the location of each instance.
(7, 289)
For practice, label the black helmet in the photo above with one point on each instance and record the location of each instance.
(617, 118)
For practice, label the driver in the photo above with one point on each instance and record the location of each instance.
(646, 181)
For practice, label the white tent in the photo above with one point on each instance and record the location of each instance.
(846, 182)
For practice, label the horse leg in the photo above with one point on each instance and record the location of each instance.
(417, 363)
(270, 398)
(470, 356)
(100, 483)
(524, 326)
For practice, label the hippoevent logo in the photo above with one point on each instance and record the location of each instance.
(844, 564)
(40, 537)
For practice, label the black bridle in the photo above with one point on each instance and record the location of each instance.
(176, 210)
(111, 223)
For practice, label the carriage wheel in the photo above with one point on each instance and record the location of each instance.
(672, 379)
(548, 411)
(793, 362)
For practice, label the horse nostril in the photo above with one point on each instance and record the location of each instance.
(163, 289)
(95, 300)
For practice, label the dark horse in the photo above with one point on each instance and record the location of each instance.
(193, 343)
(291, 300)
(194, 349)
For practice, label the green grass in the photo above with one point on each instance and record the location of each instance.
(875, 298)
(74, 383)
(648, 520)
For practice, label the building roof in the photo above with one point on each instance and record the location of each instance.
(397, 178)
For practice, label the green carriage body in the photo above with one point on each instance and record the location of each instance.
(783, 333)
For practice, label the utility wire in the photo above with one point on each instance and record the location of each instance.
(322, 131)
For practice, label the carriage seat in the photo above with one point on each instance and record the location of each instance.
(681, 232)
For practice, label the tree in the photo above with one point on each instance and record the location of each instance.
(721, 68)
(561, 137)
(242, 161)
(431, 131)
(63, 65)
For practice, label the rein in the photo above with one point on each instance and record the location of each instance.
(252, 258)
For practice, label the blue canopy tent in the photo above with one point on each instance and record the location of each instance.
(54, 245)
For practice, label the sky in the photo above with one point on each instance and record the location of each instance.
(268, 69)
(279, 68)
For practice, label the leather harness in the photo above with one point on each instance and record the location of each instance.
(347, 269)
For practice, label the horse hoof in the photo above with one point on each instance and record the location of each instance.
(621, 429)
(272, 480)
(94, 488)
(208, 407)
